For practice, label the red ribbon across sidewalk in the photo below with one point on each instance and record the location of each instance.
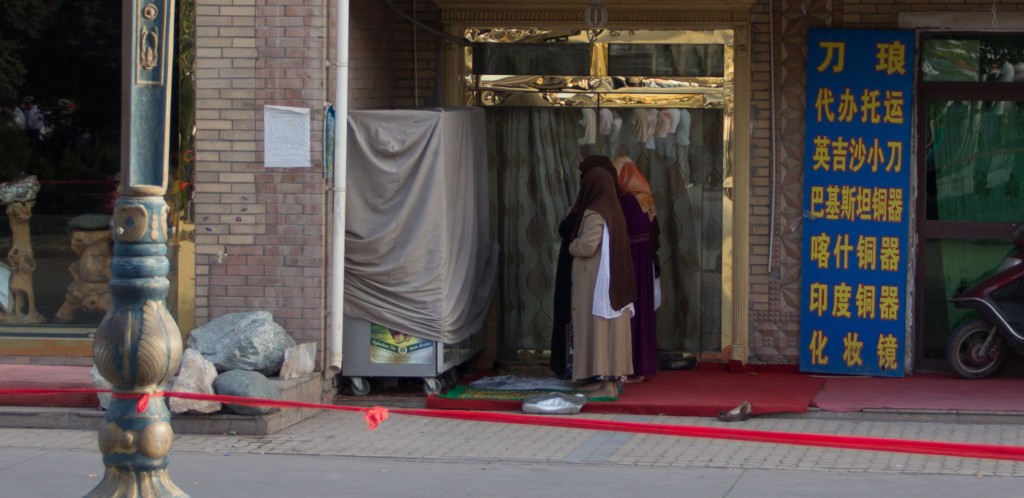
(374, 416)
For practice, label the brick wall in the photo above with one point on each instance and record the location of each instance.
(383, 64)
(259, 231)
(262, 234)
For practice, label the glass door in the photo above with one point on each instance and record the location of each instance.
(661, 99)
(971, 122)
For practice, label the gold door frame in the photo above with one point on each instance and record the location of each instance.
(521, 18)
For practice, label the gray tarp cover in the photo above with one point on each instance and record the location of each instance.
(418, 258)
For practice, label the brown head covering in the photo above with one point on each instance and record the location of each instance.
(599, 192)
(632, 181)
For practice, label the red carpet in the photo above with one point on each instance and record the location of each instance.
(922, 392)
(703, 392)
(47, 377)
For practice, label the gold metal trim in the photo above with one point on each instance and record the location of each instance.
(48, 332)
(493, 98)
(708, 18)
(181, 298)
(599, 36)
(681, 101)
(599, 60)
(537, 99)
(603, 84)
(46, 346)
(616, 17)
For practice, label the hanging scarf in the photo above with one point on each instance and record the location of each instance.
(599, 192)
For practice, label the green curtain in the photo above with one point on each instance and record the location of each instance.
(533, 160)
(978, 162)
(533, 157)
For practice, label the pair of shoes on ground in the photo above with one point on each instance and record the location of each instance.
(738, 414)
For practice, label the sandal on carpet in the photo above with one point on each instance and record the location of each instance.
(738, 414)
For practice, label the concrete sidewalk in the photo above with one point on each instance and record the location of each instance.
(30, 474)
(425, 456)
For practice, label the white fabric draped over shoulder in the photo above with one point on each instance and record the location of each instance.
(602, 302)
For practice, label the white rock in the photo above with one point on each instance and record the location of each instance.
(196, 376)
(299, 361)
(100, 383)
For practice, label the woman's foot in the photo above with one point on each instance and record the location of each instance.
(608, 389)
(635, 379)
(587, 385)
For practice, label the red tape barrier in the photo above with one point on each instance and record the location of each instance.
(374, 416)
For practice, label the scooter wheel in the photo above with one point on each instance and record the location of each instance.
(967, 353)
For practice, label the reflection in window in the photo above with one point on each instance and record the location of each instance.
(963, 58)
(626, 59)
(555, 59)
(60, 120)
(975, 161)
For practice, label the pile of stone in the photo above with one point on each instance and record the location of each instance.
(235, 355)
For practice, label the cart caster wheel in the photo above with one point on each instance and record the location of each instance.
(450, 377)
(359, 386)
(431, 385)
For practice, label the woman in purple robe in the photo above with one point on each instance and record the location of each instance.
(641, 222)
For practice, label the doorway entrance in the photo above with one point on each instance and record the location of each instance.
(971, 117)
(662, 99)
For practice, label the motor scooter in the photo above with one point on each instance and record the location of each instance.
(977, 347)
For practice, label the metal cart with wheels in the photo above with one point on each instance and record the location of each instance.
(420, 268)
(372, 350)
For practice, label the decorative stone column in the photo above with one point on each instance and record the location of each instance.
(138, 346)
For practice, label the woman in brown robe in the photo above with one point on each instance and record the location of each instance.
(602, 295)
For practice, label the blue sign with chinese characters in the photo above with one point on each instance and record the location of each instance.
(856, 201)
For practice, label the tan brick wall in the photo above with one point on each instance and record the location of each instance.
(371, 65)
(262, 234)
(260, 231)
(383, 63)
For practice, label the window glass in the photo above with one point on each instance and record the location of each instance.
(60, 121)
(948, 266)
(668, 60)
(960, 58)
(557, 59)
(975, 161)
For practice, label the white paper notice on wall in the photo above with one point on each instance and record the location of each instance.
(285, 137)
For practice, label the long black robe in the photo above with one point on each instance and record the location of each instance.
(561, 314)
